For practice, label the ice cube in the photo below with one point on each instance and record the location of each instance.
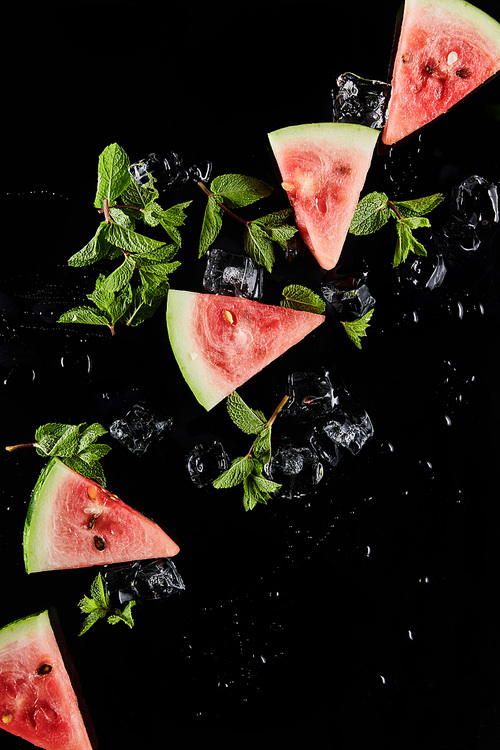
(139, 428)
(349, 430)
(349, 303)
(232, 274)
(475, 201)
(424, 272)
(311, 396)
(144, 580)
(360, 100)
(168, 170)
(206, 461)
(296, 467)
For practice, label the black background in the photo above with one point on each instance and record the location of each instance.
(365, 612)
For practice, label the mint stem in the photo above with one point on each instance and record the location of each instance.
(224, 208)
(11, 448)
(105, 208)
(394, 209)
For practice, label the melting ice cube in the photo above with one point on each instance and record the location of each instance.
(232, 274)
(360, 100)
(311, 396)
(350, 301)
(424, 272)
(349, 430)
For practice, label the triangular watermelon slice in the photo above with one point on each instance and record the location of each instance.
(220, 342)
(73, 522)
(37, 700)
(446, 49)
(323, 167)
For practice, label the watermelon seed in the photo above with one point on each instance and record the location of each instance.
(44, 669)
(92, 491)
(99, 543)
(463, 73)
(93, 519)
(7, 717)
(429, 69)
(229, 317)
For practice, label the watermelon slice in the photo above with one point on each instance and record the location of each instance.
(220, 342)
(446, 48)
(37, 700)
(323, 167)
(73, 522)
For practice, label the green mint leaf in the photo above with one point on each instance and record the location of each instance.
(120, 277)
(261, 446)
(211, 226)
(55, 439)
(418, 206)
(90, 434)
(370, 215)
(258, 245)
(123, 616)
(98, 591)
(113, 176)
(406, 243)
(98, 248)
(299, 297)
(91, 619)
(275, 219)
(92, 470)
(140, 196)
(238, 190)
(85, 315)
(356, 329)
(130, 241)
(248, 420)
(257, 489)
(240, 468)
(88, 605)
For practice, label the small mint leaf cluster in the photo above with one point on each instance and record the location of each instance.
(375, 209)
(97, 606)
(74, 444)
(232, 191)
(132, 292)
(247, 470)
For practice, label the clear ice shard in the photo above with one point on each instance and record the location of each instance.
(144, 580)
(168, 170)
(360, 100)
(206, 461)
(232, 274)
(424, 272)
(138, 429)
(475, 201)
(349, 300)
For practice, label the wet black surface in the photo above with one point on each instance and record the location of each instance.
(368, 609)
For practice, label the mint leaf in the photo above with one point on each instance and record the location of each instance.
(211, 226)
(261, 447)
(356, 329)
(248, 420)
(240, 468)
(98, 592)
(258, 245)
(123, 616)
(75, 445)
(371, 214)
(418, 206)
(98, 248)
(113, 176)
(299, 297)
(85, 315)
(238, 190)
(406, 243)
(98, 607)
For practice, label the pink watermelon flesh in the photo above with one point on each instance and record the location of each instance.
(73, 522)
(446, 49)
(220, 342)
(323, 167)
(37, 700)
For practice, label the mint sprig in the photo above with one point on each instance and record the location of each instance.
(97, 606)
(75, 444)
(260, 235)
(132, 292)
(375, 209)
(247, 470)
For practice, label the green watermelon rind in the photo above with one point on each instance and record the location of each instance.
(347, 133)
(180, 309)
(41, 486)
(22, 627)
